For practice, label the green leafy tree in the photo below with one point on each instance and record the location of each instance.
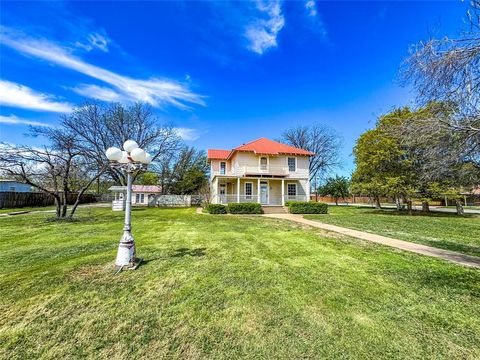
(184, 173)
(336, 187)
(383, 167)
(148, 178)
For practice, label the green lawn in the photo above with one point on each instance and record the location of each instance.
(446, 231)
(225, 287)
(469, 207)
(40, 208)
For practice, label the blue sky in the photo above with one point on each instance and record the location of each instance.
(223, 72)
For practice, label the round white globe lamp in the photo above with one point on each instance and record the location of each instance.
(113, 154)
(138, 155)
(148, 158)
(124, 159)
(130, 145)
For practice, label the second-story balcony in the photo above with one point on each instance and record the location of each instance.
(274, 170)
(252, 170)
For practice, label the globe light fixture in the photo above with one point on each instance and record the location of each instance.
(130, 161)
(148, 158)
(124, 158)
(130, 145)
(138, 155)
(113, 154)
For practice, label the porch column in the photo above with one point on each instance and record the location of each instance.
(258, 190)
(308, 190)
(216, 190)
(283, 192)
(238, 190)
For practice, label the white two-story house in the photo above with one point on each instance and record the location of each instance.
(263, 171)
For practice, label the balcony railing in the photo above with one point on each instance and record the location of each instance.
(270, 170)
(254, 170)
(275, 200)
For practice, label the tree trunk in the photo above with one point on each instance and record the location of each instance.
(58, 206)
(425, 206)
(459, 206)
(81, 192)
(409, 207)
(397, 203)
(336, 201)
(377, 202)
(64, 205)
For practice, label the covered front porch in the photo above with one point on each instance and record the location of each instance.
(266, 191)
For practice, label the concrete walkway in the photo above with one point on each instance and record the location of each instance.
(452, 256)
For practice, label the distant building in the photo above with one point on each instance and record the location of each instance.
(8, 185)
(141, 194)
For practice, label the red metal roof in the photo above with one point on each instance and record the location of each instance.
(146, 188)
(270, 147)
(260, 146)
(218, 154)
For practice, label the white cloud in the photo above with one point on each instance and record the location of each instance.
(263, 31)
(13, 120)
(318, 25)
(99, 92)
(154, 91)
(311, 7)
(17, 95)
(187, 133)
(95, 41)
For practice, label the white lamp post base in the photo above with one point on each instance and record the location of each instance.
(126, 259)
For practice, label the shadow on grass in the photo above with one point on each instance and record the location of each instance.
(198, 252)
(416, 213)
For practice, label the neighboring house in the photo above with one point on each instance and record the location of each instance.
(7, 185)
(141, 194)
(263, 171)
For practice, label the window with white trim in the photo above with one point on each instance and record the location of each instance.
(292, 164)
(291, 190)
(248, 190)
(223, 167)
(139, 198)
(263, 163)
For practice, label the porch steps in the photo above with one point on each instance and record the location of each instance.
(274, 210)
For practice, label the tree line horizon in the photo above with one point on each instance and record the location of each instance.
(419, 152)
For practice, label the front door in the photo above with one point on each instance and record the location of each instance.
(264, 193)
(223, 193)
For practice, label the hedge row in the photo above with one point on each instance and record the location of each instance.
(305, 207)
(235, 208)
(245, 208)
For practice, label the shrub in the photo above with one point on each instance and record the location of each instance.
(245, 208)
(304, 207)
(216, 209)
(291, 202)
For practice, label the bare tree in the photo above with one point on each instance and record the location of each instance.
(447, 71)
(50, 170)
(98, 127)
(322, 141)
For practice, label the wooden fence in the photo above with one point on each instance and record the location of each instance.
(12, 199)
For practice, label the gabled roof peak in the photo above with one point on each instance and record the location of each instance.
(262, 146)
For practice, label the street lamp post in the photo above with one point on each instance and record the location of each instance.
(130, 160)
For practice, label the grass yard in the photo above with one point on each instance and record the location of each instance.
(39, 208)
(441, 230)
(225, 287)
